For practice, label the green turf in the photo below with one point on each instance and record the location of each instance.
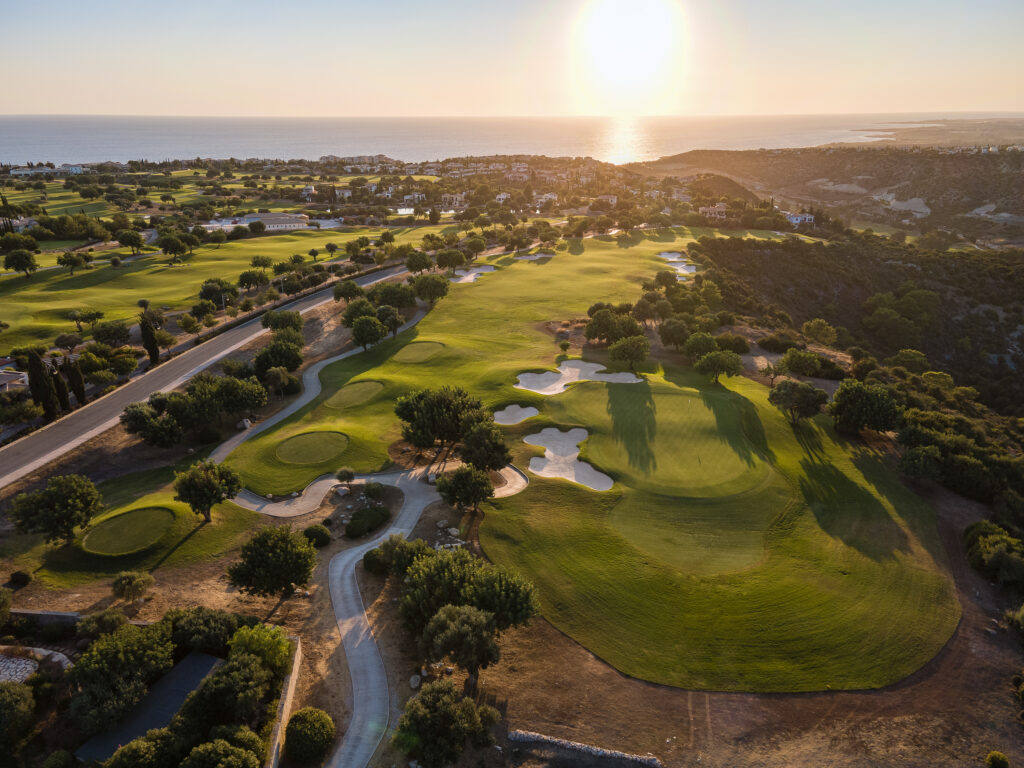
(733, 552)
(186, 539)
(354, 394)
(129, 532)
(418, 351)
(312, 448)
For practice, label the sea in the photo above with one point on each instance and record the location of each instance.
(88, 139)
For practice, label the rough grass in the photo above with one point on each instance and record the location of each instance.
(733, 553)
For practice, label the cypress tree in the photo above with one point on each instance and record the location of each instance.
(75, 380)
(149, 339)
(61, 389)
(40, 384)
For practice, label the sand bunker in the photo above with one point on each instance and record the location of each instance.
(569, 372)
(513, 414)
(470, 275)
(561, 458)
(678, 262)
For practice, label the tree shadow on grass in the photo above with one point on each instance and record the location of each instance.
(171, 550)
(849, 512)
(575, 246)
(629, 239)
(632, 411)
(737, 423)
(663, 235)
(809, 438)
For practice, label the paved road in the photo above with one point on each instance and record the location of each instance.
(52, 441)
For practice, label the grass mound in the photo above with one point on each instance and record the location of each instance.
(312, 447)
(356, 393)
(418, 351)
(129, 532)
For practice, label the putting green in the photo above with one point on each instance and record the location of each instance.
(313, 447)
(354, 394)
(129, 532)
(418, 351)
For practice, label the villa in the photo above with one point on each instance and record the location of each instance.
(716, 211)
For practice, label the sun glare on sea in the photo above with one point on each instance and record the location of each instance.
(627, 57)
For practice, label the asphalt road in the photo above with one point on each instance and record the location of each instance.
(52, 441)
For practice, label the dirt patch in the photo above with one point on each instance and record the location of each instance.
(950, 713)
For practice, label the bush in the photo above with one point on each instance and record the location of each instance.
(318, 535)
(21, 578)
(17, 710)
(219, 754)
(237, 692)
(243, 737)
(268, 644)
(61, 758)
(399, 553)
(997, 760)
(292, 387)
(829, 369)
(346, 474)
(132, 585)
(309, 735)
(374, 491)
(102, 623)
(206, 630)
(374, 562)
(366, 520)
(5, 606)
(732, 343)
(779, 343)
(208, 434)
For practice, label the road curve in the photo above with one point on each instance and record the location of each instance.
(39, 448)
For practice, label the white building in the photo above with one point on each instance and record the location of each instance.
(453, 199)
(501, 197)
(612, 200)
(716, 211)
(796, 219)
(342, 193)
(308, 192)
(274, 222)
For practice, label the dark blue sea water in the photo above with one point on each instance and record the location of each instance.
(83, 139)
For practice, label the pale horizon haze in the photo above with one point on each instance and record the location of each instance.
(521, 58)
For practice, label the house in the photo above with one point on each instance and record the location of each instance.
(501, 197)
(274, 222)
(453, 199)
(796, 219)
(20, 225)
(680, 196)
(517, 176)
(716, 211)
(415, 197)
(65, 169)
(612, 200)
(10, 377)
(342, 193)
(540, 199)
(308, 192)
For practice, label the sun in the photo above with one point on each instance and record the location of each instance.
(628, 57)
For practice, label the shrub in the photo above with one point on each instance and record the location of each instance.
(318, 535)
(236, 692)
(309, 735)
(132, 585)
(102, 623)
(243, 737)
(399, 553)
(438, 722)
(366, 520)
(206, 630)
(374, 562)
(732, 343)
(219, 754)
(21, 578)
(5, 606)
(208, 434)
(779, 343)
(997, 760)
(268, 644)
(374, 491)
(346, 474)
(61, 758)
(17, 709)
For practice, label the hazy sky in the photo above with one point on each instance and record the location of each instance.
(515, 57)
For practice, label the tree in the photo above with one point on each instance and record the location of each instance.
(367, 331)
(67, 502)
(773, 372)
(237, 396)
(274, 561)
(68, 341)
(820, 331)
(220, 753)
(17, 711)
(396, 294)
(75, 380)
(437, 723)
(71, 260)
(60, 389)
(205, 484)
(261, 262)
(149, 339)
(430, 288)
(20, 260)
(309, 735)
(798, 399)
(801, 362)
(443, 415)
(269, 644)
(484, 447)
(417, 261)
(277, 379)
(434, 216)
(464, 634)
(132, 585)
(277, 354)
(173, 247)
(131, 239)
(347, 290)
(218, 237)
(41, 386)
(253, 278)
(276, 320)
(858, 406)
(698, 345)
(722, 362)
(358, 308)
(465, 487)
(257, 227)
(632, 350)
(188, 323)
(113, 333)
(450, 259)
(331, 248)
(390, 318)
